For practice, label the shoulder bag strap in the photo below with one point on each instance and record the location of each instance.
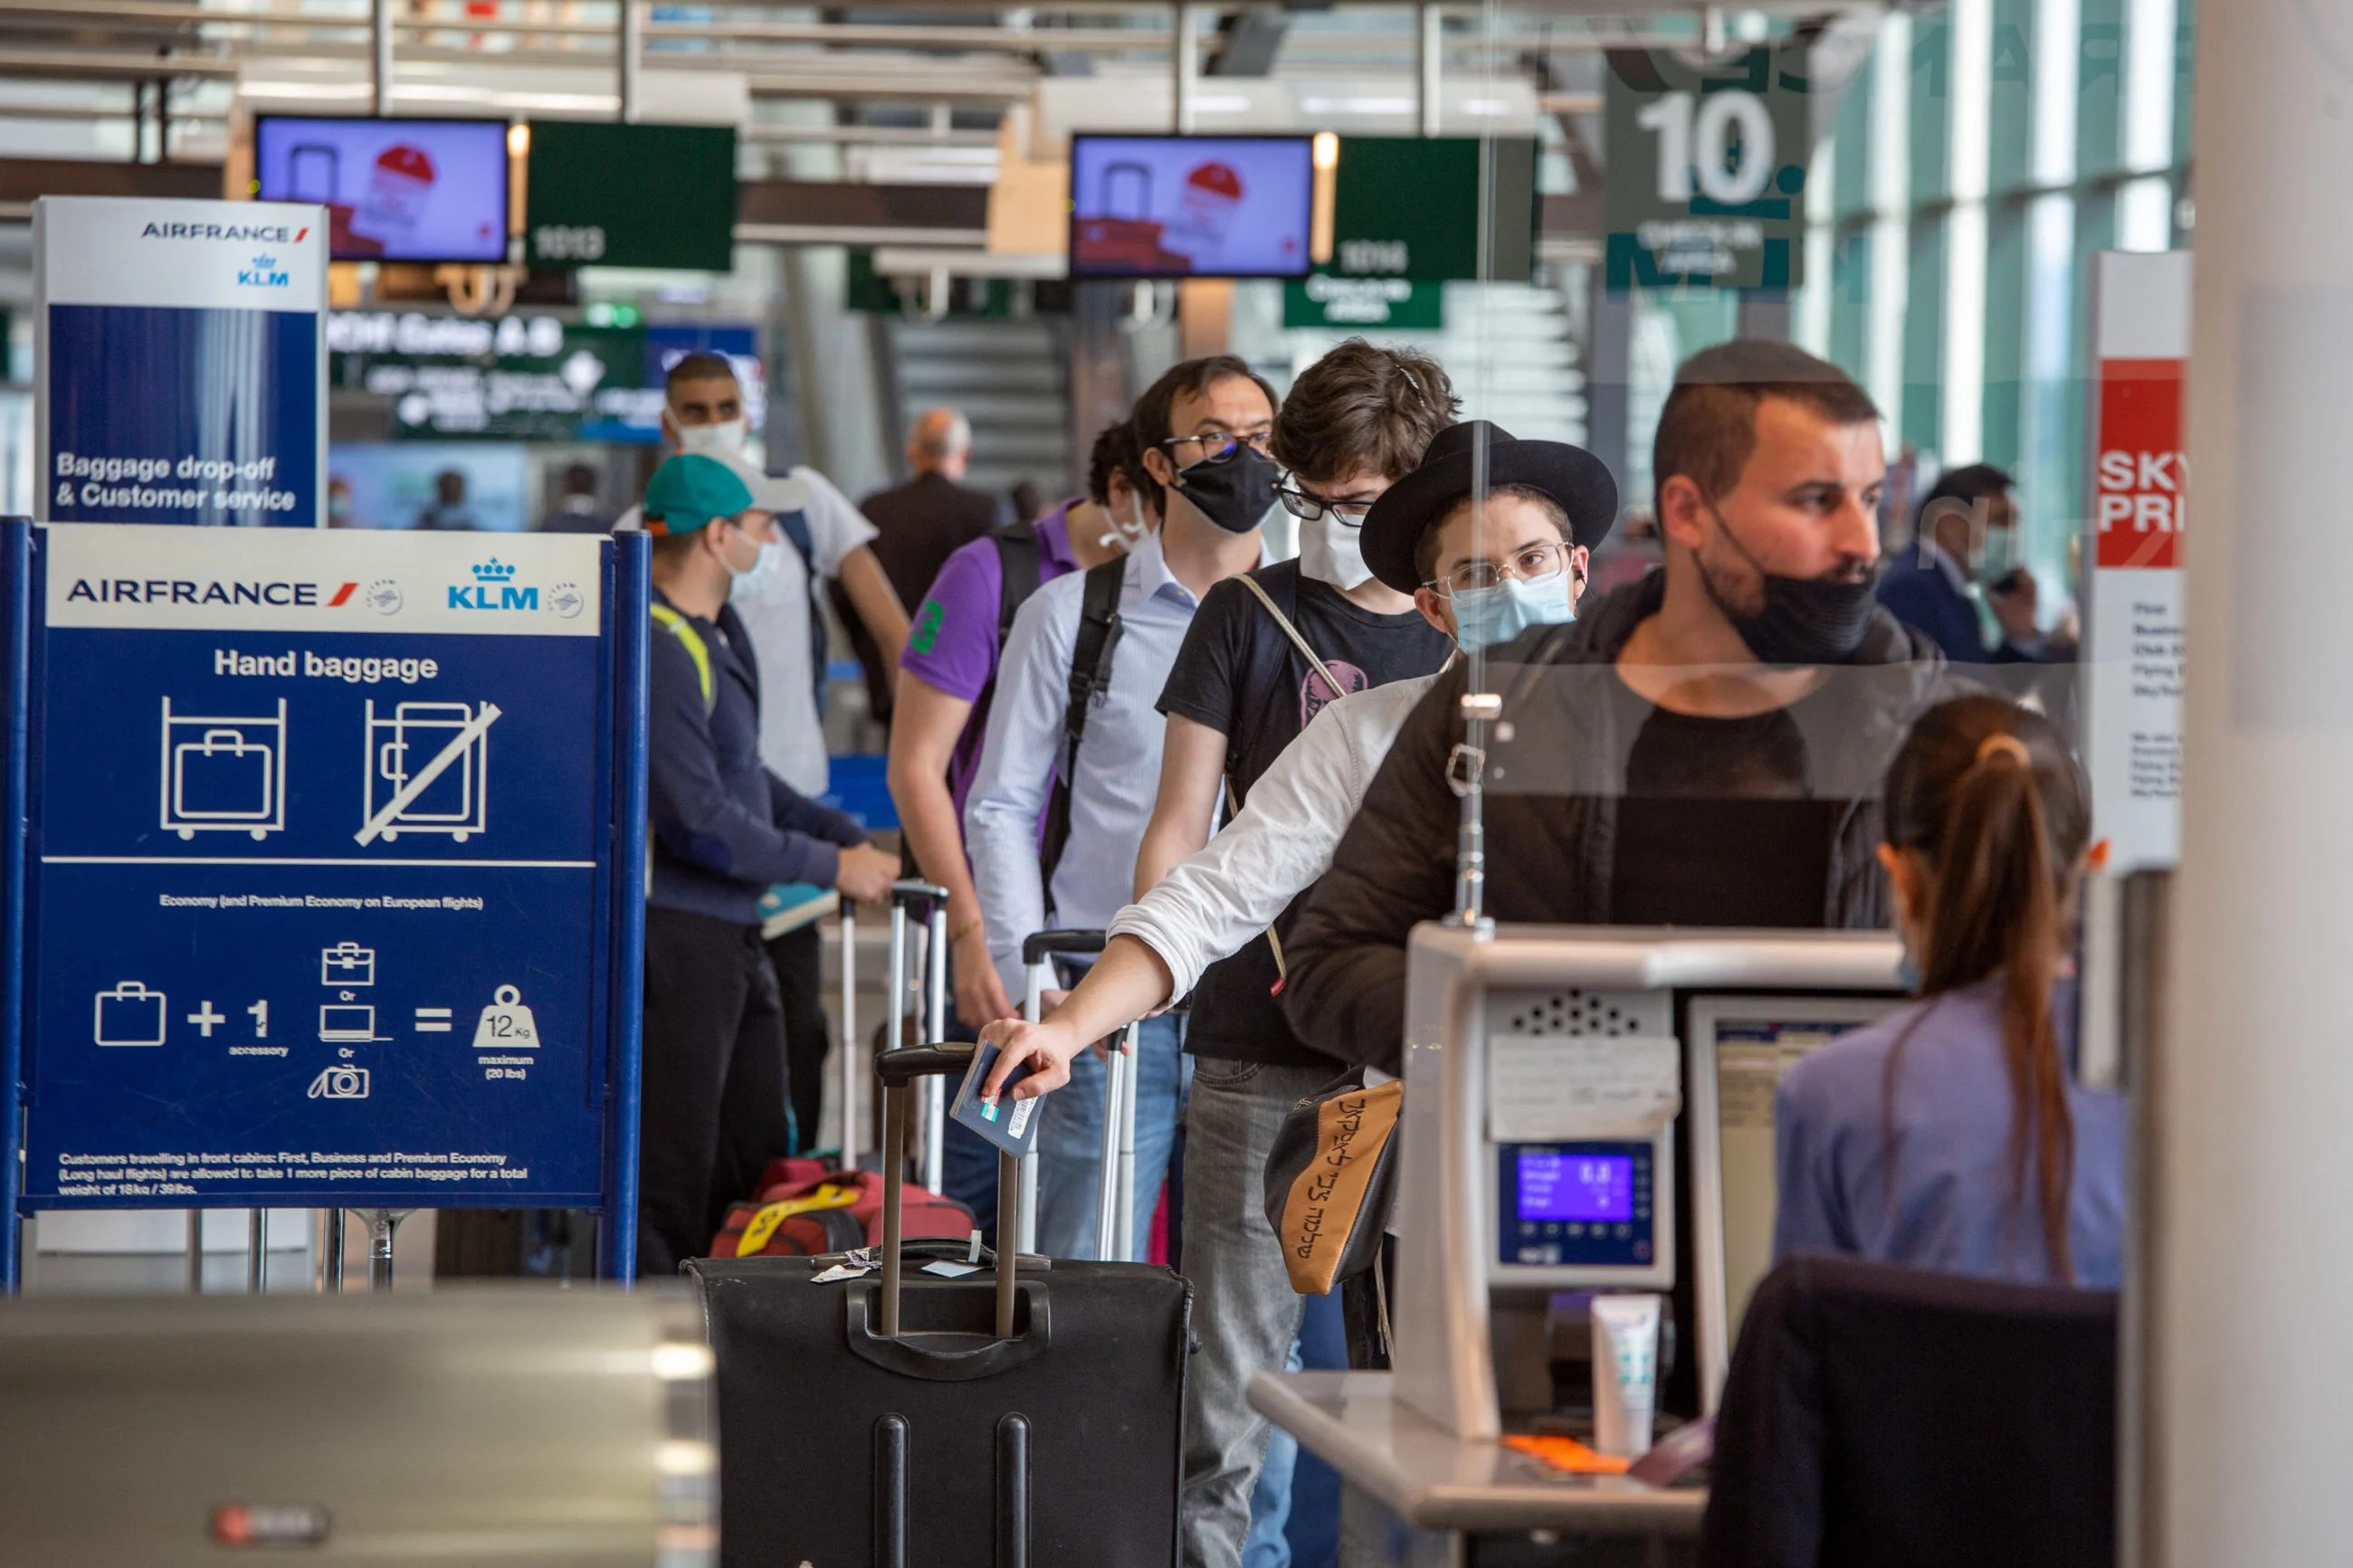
(1331, 681)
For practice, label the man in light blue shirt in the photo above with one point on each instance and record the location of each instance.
(1203, 426)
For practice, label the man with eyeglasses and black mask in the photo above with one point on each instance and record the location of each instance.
(1698, 748)
(1203, 428)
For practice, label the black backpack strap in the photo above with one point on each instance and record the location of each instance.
(1019, 563)
(1091, 662)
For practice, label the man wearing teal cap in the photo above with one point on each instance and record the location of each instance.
(724, 829)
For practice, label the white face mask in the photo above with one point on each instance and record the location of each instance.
(1126, 533)
(762, 570)
(725, 439)
(1331, 552)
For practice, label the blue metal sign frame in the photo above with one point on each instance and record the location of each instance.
(238, 897)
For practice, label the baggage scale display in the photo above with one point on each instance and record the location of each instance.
(330, 887)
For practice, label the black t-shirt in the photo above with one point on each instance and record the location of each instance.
(1719, 825)
(1238, 674)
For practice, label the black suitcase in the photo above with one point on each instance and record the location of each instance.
(1031, 1417)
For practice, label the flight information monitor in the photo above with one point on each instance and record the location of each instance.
(1190, 207)
(394, 190)
(1739, 1048)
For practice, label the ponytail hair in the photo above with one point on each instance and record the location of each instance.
(1989, 799)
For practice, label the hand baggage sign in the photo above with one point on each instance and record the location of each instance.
(334, 867)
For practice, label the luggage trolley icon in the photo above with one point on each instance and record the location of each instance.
(428, 770)
(223, 775)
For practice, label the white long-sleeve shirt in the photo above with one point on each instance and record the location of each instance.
(1232, 888)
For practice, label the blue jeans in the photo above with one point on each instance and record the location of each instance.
(1267, 1544)
(1071, 1134)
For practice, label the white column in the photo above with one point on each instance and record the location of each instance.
(2254, 1145)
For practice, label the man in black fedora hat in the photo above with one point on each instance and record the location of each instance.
(1700, 748)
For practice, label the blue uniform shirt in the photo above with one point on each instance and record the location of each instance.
(724, 827)
(1939, 1194)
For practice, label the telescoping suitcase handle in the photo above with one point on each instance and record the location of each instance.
(899, 1070)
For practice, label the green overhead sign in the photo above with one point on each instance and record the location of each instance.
(1398, 304)
(1707, 169)
(1408, 206)
(606, 195)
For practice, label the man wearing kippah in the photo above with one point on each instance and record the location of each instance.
(724, 828)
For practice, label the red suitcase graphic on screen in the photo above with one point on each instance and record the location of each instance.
(224, 774)
(129, 1015)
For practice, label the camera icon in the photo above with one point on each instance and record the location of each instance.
(340, 1083)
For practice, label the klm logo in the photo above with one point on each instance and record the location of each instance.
(263, 273)
(494, 589)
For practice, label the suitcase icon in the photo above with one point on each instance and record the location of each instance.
(224, 772)
(130, 1014)
(222, 778)
(347, 963)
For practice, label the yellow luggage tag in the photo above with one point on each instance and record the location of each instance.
(764, 1223)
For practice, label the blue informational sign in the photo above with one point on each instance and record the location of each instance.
(181, 361)
(332, 892)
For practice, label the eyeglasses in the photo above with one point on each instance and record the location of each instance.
(1314, 509)
(1526, 565)
(1220, 445)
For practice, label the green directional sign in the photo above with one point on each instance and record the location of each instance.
(1707, 169)
(606, 195)
(1398, 304)
(1408, 206)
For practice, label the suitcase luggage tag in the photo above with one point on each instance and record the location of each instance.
(1011, 1124)
(507, 1025)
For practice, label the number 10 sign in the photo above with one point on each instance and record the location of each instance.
(1707, 169)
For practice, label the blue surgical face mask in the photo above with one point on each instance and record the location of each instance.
(1485, 617)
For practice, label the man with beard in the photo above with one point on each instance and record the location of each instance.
(1700, 748)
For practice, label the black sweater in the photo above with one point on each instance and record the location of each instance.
(1556, 767)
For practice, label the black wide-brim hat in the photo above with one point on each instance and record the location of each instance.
(1572, 475)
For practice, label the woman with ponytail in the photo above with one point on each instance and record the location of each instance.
(1951, 1134)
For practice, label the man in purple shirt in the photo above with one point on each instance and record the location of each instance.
(949, 668)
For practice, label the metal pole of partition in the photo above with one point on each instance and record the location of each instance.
(1115, 1085)
(632, 50)
(380, 54)
(849, 1078)
(382, 1224)
(936, 1027)
(1132, 1038)
(893, 1032)
(1026, 1209)
(1429, 33)
(255, 1265)
(331, 1252)
(1186, 69)
(196, 1252)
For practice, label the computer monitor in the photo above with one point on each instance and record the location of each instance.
(1738, 1049)
(1191, 206)
(394, 190)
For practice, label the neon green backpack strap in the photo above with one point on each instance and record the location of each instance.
(691, 640)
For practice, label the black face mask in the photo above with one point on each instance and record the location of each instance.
(1804, 620)
(1233, 494)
